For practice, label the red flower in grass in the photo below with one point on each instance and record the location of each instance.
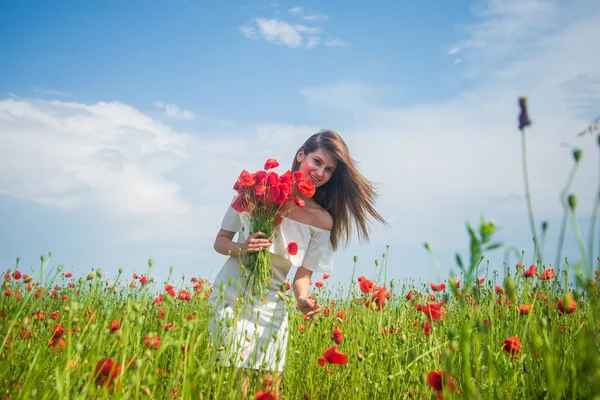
(439, 380)
(338, 336)
(184, 295)
(152, 342)
(333, 356)
(480, 281)
(512, 345)
(325, 276)
(68, 274)
(365, 285)
(499, 290)
(144, 280)
(567, 305)
(377, 301)
(409, 295)
(547, 274)
(292, 248)
(426, 329)
(525, 309)
(114, 325)
(17, 275)
(531, 271)
(271, 163)
(106, 372)
(319, 284)
(268, 395)
(58, 331)
(433, 311)
(520, 266)
(439, 287)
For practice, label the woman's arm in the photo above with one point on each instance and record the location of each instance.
(301, 287)
(225, 245)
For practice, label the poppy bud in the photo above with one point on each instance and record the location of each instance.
(524, 120)
(60, 268)
(42, 258)
(18, 259)
(91, 276)
(572, 201)
(427, 246)
(120, 270)
(150, 263)
(577, 155)
(355, 258)
(544, 226)
(99, 273)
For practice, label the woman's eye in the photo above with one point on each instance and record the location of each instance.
(317, 162)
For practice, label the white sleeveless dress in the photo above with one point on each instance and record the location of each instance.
(254, 334)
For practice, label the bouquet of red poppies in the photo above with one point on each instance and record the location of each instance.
(263, 195)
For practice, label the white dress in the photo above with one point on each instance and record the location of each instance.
(254, 334)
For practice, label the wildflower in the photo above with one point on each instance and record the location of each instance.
(271, 163)
(302, 328)
(499, 289)
(17, 275)
(377, 301)
(338, 336)
(68, 274)
(106, 371)
(504, 300)
(292, 248)
(480, 281)
(325, 276)
(426, 329)
(114, 325)
(433, 311)
(144, 280)
(409, 295)
(184, 295)
(438, 287)
(152, 342)
(159, 300)
(520, 266)
(547, 274)
(531, 271)
(512, 345)
(567, 305)
(268, 395)
(58, 331)
(439, 380)
(170, 290)
(287, 286)
(525, 309)
(365, 285)
(319, 284)
(334, 356)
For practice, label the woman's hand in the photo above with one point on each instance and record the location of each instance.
(307, 306)
(254, 243)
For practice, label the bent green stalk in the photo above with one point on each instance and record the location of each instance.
(527, 192)
(565, 206)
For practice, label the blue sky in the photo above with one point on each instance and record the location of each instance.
(124, 124)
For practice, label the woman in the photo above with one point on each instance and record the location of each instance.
(253, 333)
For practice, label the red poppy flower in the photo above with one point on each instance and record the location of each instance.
(68, 274)
(17, 275)
(426, 329)
(106, 371)
(433, 311)
(512, 345)
(268, 395)
(409, 295)
(271, 163)
(114, 325)
(567, 305)
(292, 248)
(365, 285)
(319, 284)
(58, 331)
(525, 309)
(499, 290)
(305, 186)
(439, 380)
(325, 276)
(144, 280)
(302, 328)
(240, 204)
(245, 180)
(152, 342)
(547, 274)
(531, 271)
(520, 266)
(334, 356)
(338, 336)
(287, 286)
(378, 299)
(439, 287)
(480, 281)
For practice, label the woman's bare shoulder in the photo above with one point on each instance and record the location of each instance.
(324, 220)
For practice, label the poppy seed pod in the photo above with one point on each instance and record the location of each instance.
(572, 201)
(524, 120)
(577, 155)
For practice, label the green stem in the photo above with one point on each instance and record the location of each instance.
(527, 192)
(593, 228)
(565, 206)
(579, 238)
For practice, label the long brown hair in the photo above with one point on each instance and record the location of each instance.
(348, 195)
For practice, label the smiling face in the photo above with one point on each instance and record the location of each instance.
(318, 165)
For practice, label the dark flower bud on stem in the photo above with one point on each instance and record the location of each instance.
(523, 116)
(572, 201)
(577, 155)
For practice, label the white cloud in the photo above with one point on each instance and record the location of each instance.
(51, 92)
(453, 50)
(174, 111)
(277, 31)
(336, 42)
